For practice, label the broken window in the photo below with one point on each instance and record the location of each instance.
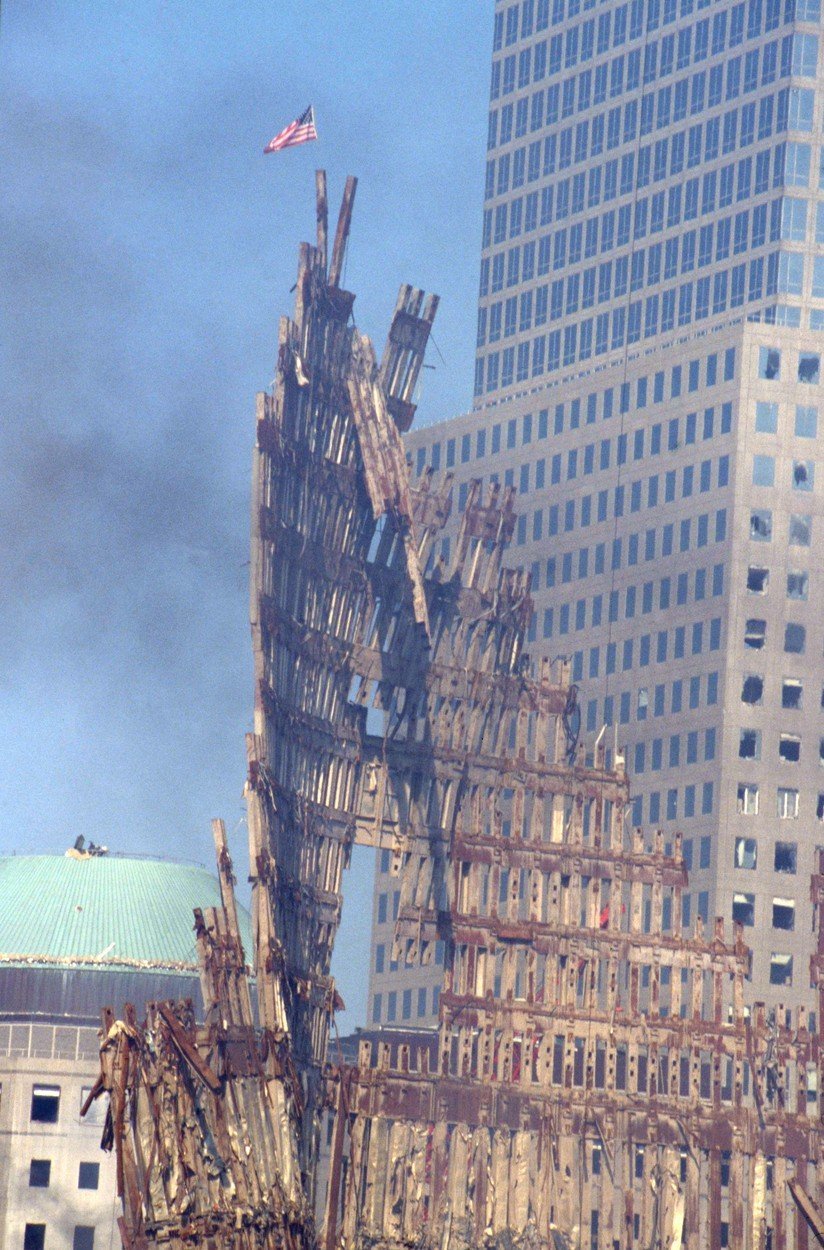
(749, 744)
(789, 748)
(755, 633)
(769, 363)
(803, 474)
(786, 855)
(787, 803)
(747, 798)
(794, 639)
(45, 1104)
(746, 853)
(801, 528)
(757, 580)
(752, 690)
(761, 525)
(809, 368)
(643, 702)
(791, 692)
(783, 914)
(96, 1113)
(797, 585)
(812, 1082)
(781, 969)
(743, 909)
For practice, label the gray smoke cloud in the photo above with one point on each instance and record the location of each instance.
(148, 249)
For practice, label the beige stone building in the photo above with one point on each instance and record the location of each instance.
(78, 933)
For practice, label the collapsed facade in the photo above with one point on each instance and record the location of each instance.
(597, 1080)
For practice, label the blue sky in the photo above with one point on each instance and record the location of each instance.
(149, 249)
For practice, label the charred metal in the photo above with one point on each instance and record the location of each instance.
(596, 1080)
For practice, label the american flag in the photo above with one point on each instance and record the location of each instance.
(301, 130)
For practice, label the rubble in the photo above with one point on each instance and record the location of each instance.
(597, 1080)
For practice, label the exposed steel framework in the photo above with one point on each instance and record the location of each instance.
(597, 1081)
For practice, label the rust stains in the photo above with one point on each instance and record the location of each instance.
(596, 1079)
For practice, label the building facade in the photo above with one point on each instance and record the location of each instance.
(648, 377)
(77, 934)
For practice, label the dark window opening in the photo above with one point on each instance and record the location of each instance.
(743, 909)
(45, 1104)
(789, 748)
(769, 363)
(786, 854)
(39, 1173)
(752, 691)
(809, 368)
(781, 970)
(783, 916)
(791, 691)
(749, 747)
(757, 580)
(83, 1237)
(761, 525)
(34, 1237)
(755, 634)
(89, 1176)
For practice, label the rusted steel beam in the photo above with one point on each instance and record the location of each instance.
(188, 1051)
(322, 212)
(342, 232)
(810, 1211)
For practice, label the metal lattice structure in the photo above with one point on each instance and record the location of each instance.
(597, 1081)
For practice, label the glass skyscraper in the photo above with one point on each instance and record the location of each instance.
(650, 327)
(652, 172)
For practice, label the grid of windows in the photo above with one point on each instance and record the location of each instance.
(663, 157)
(653, 439)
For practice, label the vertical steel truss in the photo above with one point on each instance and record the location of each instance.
(597, 1081)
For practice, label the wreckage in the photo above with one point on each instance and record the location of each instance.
(596, 1080)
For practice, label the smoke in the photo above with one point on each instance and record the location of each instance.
(148, 251)
(124, 454)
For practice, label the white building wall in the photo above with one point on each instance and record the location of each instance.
(64, 1057)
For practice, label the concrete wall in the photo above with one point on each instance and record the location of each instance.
(65, 1057)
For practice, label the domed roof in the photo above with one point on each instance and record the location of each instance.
(104, 911)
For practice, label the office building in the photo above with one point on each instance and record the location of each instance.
(648, 377)
(78, 933)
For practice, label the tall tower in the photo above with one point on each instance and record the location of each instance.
(648, 376)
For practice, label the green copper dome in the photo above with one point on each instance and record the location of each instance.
(104, 911)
